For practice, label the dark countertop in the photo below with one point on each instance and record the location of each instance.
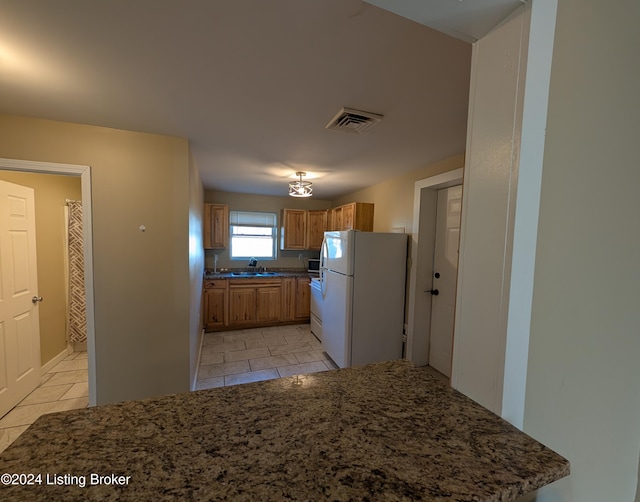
(271, 273)
(386, 431)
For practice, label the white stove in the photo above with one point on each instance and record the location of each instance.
(316, 307)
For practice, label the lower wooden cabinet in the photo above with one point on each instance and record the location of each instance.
(233, 303)
(268, 304)
(288, 298)
(303, 298)
(255, 301)
(242, 305)
(215, 304)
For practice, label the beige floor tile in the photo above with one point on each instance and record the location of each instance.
(243, 337)
(81, 355)
(313, 367)
(270, 339)
(45, 377)
(76, 391)
(9, 435)
(249, 331)
(26, 415)
(316, 345)
(210, 383)
(46, 394)
(223, 347)
(309, 357)
(70, 365)
(239, 355)
(302, 369)
(268, 330)
(64, 377)
(290, 348)
(290, 370)
(296, 336)
(209, 338)
(253, 376)
(264, 363)
(215, 370)
(214, 358)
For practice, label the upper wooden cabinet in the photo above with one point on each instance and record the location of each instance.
(353, 216)
(293, 232)
(216, 226)
(303, 229)
(316, 225)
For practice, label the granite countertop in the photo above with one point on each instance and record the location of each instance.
(388, 431)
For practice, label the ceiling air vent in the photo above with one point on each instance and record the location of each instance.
(353, 121)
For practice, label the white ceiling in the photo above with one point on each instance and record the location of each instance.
(467, 20)
(251, 83)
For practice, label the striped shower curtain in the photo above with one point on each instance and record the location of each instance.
(77, 320)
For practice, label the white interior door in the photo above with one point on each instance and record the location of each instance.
(445, 273)
(19, 324)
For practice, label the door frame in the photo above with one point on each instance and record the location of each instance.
(421, 256)
(84, 172)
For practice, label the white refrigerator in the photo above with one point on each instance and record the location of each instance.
(363, 278)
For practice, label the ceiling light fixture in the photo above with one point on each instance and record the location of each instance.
(300, 188)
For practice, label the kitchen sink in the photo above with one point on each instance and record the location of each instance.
(253, 274)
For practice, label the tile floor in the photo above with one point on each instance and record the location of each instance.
(251, 355)
(63, 388)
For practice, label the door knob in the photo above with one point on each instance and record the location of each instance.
(36, 299)
(433, 291)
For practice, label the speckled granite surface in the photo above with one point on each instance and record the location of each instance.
(387, 431)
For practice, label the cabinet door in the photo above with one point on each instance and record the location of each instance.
(348, 216)
(316, 225)
(214, 308)
(288, 299)
(242, 305)
(216, 226)
(294, 229)
(303, 298)
(363, 219)
(269, 304)
(337, 218)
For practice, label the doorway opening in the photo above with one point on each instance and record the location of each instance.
(422, 255)
(84, 173)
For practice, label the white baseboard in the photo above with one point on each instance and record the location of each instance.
(48, 366)
(195, 378)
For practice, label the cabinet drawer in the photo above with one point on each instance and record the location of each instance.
(215, 284)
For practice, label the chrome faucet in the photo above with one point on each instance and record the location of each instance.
(253, 262)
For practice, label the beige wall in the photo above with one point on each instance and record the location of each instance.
(141, 279)
(583, 381)
(393, 199)
(50, 192)
(249, 202)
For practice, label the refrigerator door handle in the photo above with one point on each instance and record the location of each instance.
(324, 251)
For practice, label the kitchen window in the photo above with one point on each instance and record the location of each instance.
(253, 235)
